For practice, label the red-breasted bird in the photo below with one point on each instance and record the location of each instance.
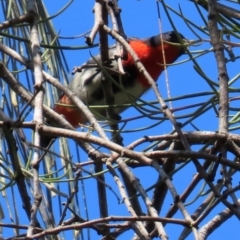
(87, 83)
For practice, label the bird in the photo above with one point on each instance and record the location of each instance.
(86, 84)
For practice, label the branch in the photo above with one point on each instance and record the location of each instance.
(38, 113)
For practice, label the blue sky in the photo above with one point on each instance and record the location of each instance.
(140, 19)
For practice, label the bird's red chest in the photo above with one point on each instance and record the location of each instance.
(152, 58)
